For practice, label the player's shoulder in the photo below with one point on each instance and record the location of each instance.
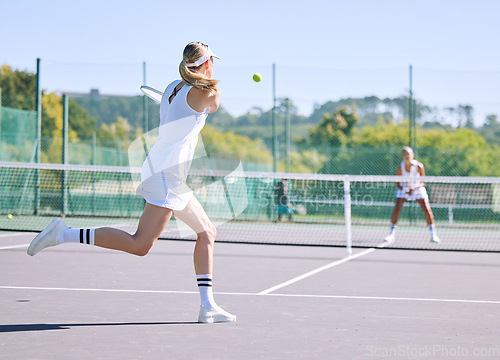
(201, 99)
(419, 164)
(203, 93)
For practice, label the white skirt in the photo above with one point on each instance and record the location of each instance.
(166, 190)
(164, 174)
(417, 194)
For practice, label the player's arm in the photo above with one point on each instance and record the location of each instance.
(201, 100)
(213, 100)
(399, 172)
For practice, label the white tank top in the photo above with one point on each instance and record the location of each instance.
(412, 173)
(179, 109)
(165, 170)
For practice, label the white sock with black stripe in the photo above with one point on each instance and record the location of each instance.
(82, 236)
(206, 292)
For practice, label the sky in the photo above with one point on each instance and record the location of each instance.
(322, 49)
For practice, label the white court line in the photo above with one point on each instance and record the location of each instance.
(16, 234)
(14, 247)
(353, 297)
(313, 272)
(387, 298)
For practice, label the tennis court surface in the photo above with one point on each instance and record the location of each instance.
(292, 302)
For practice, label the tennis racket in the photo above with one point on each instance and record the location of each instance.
(152, 93)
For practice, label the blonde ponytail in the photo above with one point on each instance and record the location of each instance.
(192, 52)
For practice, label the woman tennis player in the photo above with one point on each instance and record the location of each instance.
(411, 191)
(184, 108)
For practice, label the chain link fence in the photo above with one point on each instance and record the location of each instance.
(108, 134)
(102, 127)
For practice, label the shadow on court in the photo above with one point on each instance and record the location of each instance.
(44, 327)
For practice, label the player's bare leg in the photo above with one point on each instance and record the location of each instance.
(153, 221)
(195, 217)
(398, 206)
(429, 218)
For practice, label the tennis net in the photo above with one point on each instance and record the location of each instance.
(253, 207)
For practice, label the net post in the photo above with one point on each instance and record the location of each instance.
(274, 124)
(1, 143)
(118, 152)
(347, 213)
(94, 149)
(287, 135)
(119, 163)
(38, 144)
(410, 111)
(64, 159)
(94, 162)
(272, 209)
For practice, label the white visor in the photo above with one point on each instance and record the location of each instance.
(204, 58)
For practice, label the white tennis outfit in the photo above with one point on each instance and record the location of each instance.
(165, 170)
(417, 194)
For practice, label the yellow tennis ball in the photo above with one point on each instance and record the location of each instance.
(257, 77)
(9, 216)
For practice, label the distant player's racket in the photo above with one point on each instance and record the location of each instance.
(152, 93)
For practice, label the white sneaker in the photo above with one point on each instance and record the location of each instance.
(435, 239)
(48, 237)
(390, 238)
(215, 315)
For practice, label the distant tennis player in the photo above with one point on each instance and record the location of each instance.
(184, 108)
(282, 192)
(411, 191)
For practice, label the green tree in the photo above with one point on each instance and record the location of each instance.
(18, 88)
(217, 142)
(106, 109)
(369, 109)
(80, 123)
(376, 150)
(382, 134)
(221, 118)
(307, 161)
(119, 131)
(79, 120)
(19, 91)
(491, 129)
(81, 126)
(334, 129)
(462, 152)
